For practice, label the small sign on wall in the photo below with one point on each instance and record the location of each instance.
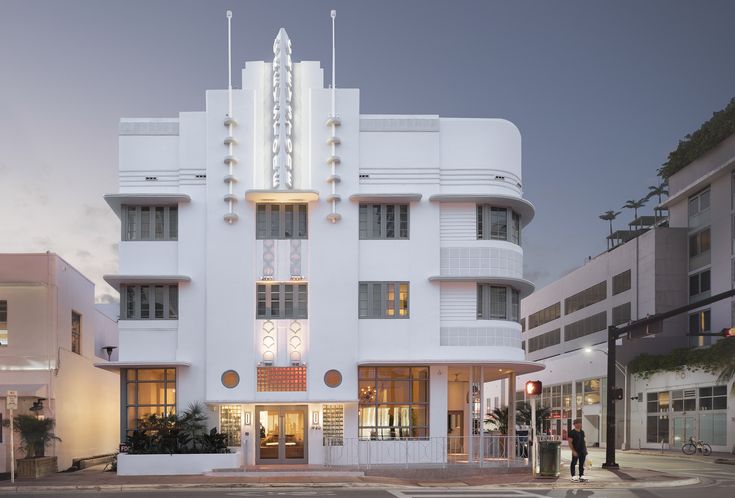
(11, 400)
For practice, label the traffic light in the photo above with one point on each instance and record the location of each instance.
(728, 332)
(618, 393)
(533, 388)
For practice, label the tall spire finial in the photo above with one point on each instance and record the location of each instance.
(282, 111)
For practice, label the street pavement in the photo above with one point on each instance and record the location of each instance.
(641, 475)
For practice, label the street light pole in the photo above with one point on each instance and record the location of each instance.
(610, 433)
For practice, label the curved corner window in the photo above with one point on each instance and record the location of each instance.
(497, 303)
(498, 223)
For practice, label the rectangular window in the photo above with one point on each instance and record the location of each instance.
(700, 323)
(684, 400)
(76, 333)
(587, 297)
(150, 223)
(545, 340)
(149, 302)
(498, 223)
(713, 398)
(383, 221)
(699, 243)
(149, 392)
(281, 221)
(333, 423)
(545, 315)
(699, 284)
(621, 282)
(585, 326)
(497, 303)
(394, 403)
(281, 300)
(230, 420)
(383, 300)
(697, 205)
(621, 314)
(3, 323)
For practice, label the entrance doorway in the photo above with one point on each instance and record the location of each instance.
(281, 434)
(455, 431)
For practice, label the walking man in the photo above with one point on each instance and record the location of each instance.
(579, 449)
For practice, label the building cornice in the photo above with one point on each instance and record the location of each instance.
(116, 201)
(517, 204)
(116, 280)
(525, 287)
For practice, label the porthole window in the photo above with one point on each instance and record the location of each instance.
(333, 378)
(230, 379)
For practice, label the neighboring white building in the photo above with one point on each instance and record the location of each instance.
(311, 272)
(51, 335)
(565, 323)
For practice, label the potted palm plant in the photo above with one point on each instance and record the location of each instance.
(35, 434)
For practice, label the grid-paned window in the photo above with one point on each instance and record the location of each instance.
(713, 398)
(684, 400)
(545, 340)
(149, 392)
(585, 326)
(587, 297)
(150, 223)
(149, 302)
(76, 333)
(333, 425)
(3, 323)
(280, 300)
(621, 314)
(699, 283)
(394, 402)
(281, 221)
(383, 300)
(230, 423)
(383, 221)
(498, 223)
(544, 316)
(621, 282)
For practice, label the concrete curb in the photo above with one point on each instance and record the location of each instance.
(725, 461)
(220, 486)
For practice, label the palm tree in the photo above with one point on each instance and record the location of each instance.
(661, 189)
(635, 205)
(609, 216)
(499, 418)
(35, 434)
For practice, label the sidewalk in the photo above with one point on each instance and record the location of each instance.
(716, 456)
(94, 478)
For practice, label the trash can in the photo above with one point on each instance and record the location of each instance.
(550, 458)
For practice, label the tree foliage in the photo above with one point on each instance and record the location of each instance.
(499, 417)
(35, 434)
(720, 126)
(174, 434)
(718, 359)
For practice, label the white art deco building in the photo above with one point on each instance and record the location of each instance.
(314, 274)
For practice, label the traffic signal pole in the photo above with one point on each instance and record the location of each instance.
(613, 334)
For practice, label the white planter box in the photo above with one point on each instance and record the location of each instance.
(169, 465)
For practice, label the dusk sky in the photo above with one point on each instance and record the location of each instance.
(602, 91)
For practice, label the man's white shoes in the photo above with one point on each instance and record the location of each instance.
(575, 479)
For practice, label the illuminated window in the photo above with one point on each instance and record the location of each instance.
(394, 402)
(3, 323)
(383, 299)
(149, 392)
(383, 221)
(281, 379)
(76, 333)
(230, 419)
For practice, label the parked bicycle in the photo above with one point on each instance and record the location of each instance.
(692, 446)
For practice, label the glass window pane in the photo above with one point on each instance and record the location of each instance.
(499, 223)
(173, 302)
(376, 221)
(151, 393)
(390, 221)
(288, 228)
(363, 221)
(393, 391)
(145, 223)
(159, 223)
(390, 300)
(154, 374)
(403, 300)
(173, 223)
(303, 221)
(275, 222)
(131, 223)
(261, 222)
(159, 301)
(275, 294)
(130, 302)
(145, 302)
(403, 221)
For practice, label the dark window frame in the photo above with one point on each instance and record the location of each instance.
(373, 300)
(140, 301)
(282, 221)
(282, 300)
(161, 223)
(375, 217)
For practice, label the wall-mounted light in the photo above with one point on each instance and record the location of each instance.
(248, 418)
(315, 417)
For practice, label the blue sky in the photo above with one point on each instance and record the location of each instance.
(601, 90)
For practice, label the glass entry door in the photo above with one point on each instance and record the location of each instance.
(281, 434)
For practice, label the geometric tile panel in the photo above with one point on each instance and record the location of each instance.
(481, 261)
(479, 336)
